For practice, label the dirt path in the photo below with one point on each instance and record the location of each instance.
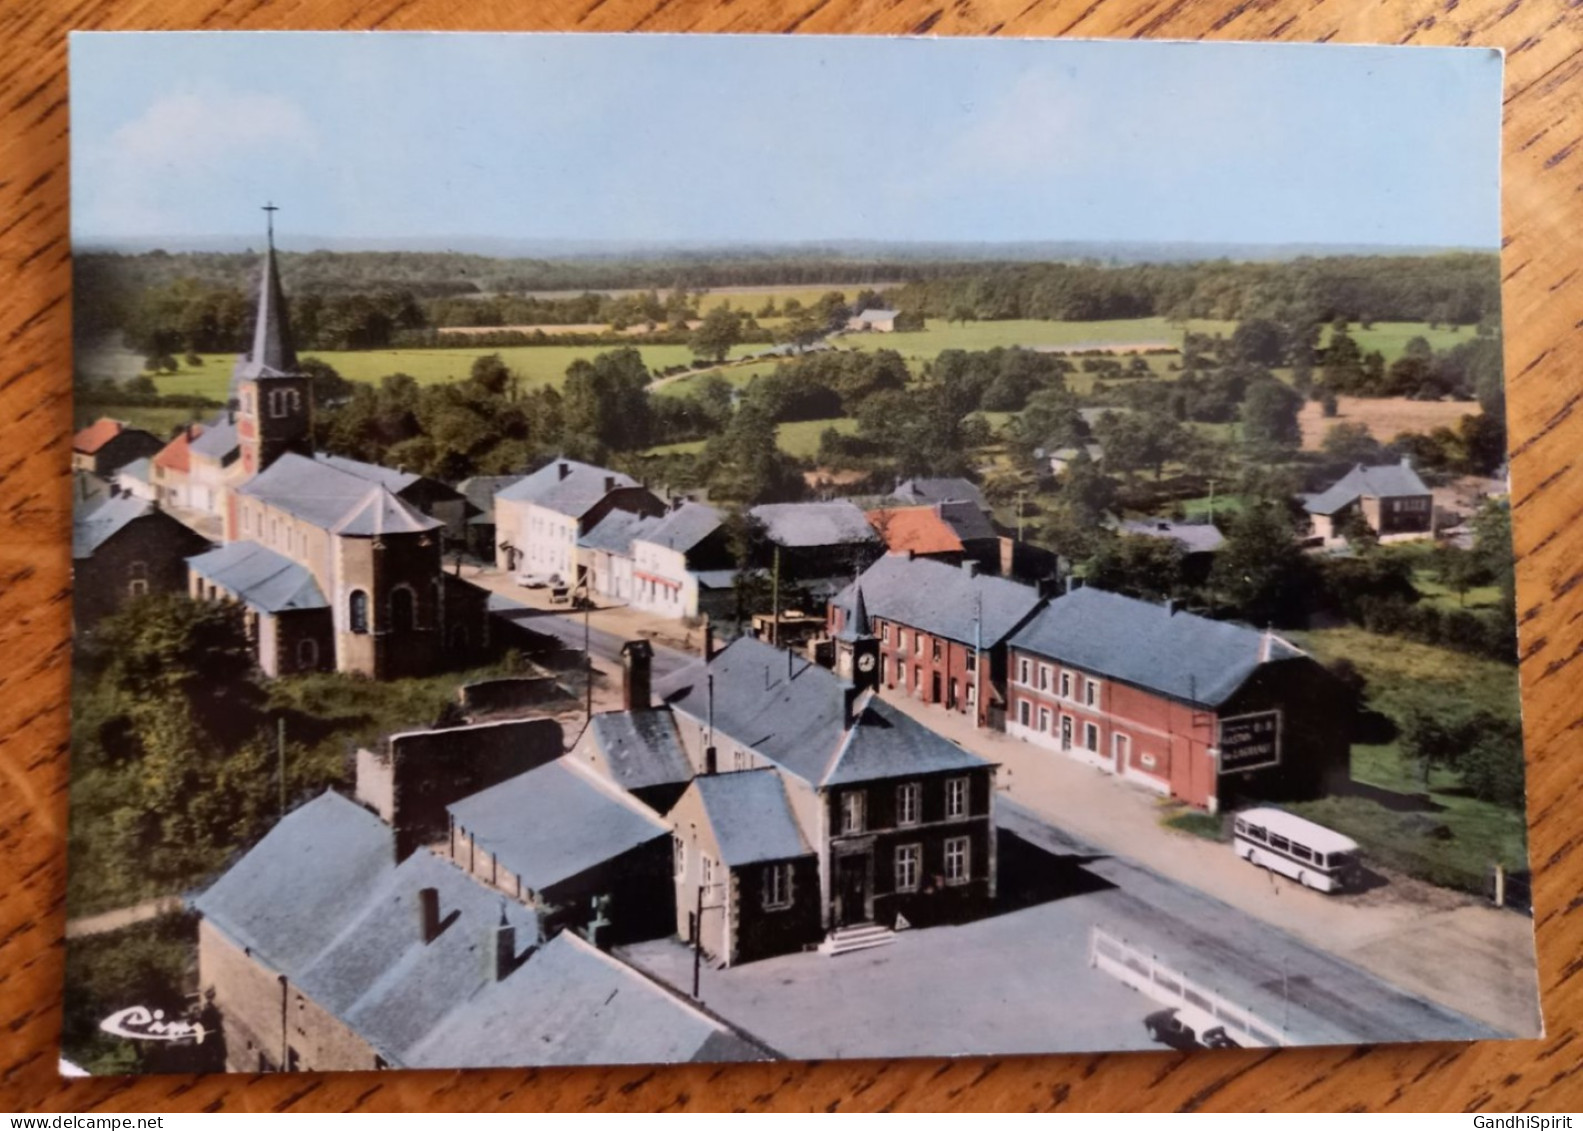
(122, 917)
(1433, 942)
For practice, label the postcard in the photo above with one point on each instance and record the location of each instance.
(646, 549)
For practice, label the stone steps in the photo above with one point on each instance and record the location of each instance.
(847, 939)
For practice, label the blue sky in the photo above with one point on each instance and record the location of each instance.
(708, 139)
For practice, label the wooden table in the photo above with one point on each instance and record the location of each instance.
(1543, 272)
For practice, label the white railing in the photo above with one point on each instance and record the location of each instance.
(1201, 1008)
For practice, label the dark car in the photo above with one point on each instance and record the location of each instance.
(1167, 1028)
(1218, 1038)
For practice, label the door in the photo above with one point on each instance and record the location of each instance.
(934, 687)
(851, 906)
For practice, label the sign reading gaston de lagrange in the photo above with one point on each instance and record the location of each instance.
(1250, 742)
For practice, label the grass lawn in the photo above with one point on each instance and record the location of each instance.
(161, 421)
(1455, 838)
(800, 438)
(1391, 338)
(1200, 507)
(1434, 593)
(738, 375)
(939, 335)
(680, 448)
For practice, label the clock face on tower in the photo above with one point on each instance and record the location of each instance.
(865, 662)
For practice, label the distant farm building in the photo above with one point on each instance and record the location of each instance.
(879, 321)
(1392, 499)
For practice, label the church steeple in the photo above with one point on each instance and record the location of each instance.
(274, 396)
(272, 349)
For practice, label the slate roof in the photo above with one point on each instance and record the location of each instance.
(1195, 538)
(751, 819)
(811, 525)
(218, 440)
(93, 527)
(641, 748)
(944, 490)
(322, 900)
(272, 354)
(792, 712)
(571, 1004)
(886, 743)
(685, 527)
(332, 499)
(295, 890)
(573, 494)
(966, 520)
(269, 582)
(944, 600)
(388, 477)
(616, 532)
(555, 822)
(139, 469)
(480, 490)
(919, 529)
(96, 435)
(1388, 482)
(176, 455)
(1187, 657)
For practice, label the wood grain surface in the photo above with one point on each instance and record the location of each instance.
(1543, 276)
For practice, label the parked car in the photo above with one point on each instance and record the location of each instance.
(1218, 1038)
(1168, 1029)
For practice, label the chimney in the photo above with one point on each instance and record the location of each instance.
(637, 656)
(563, 469)
(909, 553)
(505, 947)
(709, 640)
(610, 483)
(1068, 583)
(970, 568)
(711, 760)
(1170, 606)
(429, 914)
(851, 699)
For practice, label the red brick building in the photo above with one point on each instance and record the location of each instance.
(942, 629)
(1205, 711)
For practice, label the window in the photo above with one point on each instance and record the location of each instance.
(357, 610)
(907, 803)
(707, 867)
(1279, 842)
(901, 639)
(1066, 732)
(137, 579)
(955, 798)
(972, 695)
(936, 647)
(972, 661)
(1044, 677)
(777, 887)
(1121, 746)
(679, 854)
(1066, 685)
(403, 609)
(307, 654)
(1022, 712)
(884, 633)
(908, 859)
(1023, 672)
(1090, 692)
(1091, 737)
(917, 643)
(852, 811)
(741, 759)
(956, 860)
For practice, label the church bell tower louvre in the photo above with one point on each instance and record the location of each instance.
(274, 397)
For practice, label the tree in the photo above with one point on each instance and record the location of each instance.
(1258, 341)
(1087, 492)
(745, 464)
(1269, 414)
(720, 329)
(1351, 444)
(1139, 566)
(1137, 441)
(1260, 572)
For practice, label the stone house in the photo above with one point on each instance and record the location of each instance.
(122, 548)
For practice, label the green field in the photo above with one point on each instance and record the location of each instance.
(800, 438)
(1455, 838)
(160, 421)
(939, 335)
(739, 375)
(752, 299)
(1434, 593)
(1391, 338)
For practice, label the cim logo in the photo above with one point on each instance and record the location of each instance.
(138, 1023)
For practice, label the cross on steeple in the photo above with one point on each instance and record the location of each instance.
(270, 208)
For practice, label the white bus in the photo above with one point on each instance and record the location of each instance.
(1311, 854)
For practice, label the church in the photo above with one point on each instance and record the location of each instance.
(337, 573)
